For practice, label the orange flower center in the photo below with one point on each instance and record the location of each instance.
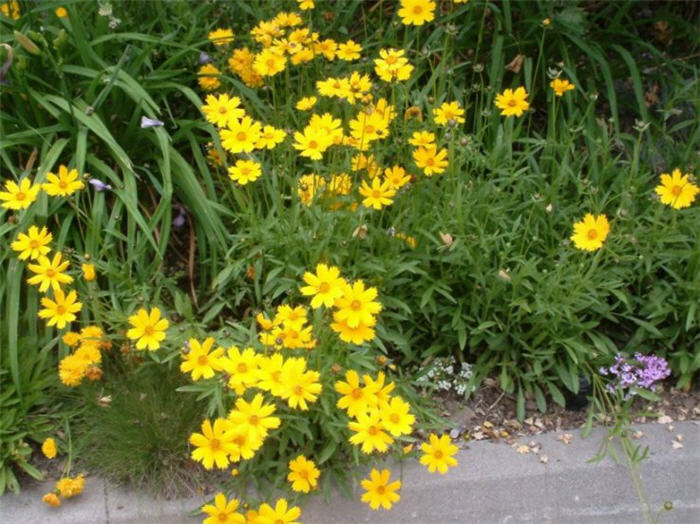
(313, 144)
(61, 309)
(242, 368)
(34, 244)
(417, 9)
(202, 360)
(376, 193)
(325, 287)
(271, 63)
(391, 60)
(298, 390)
(20, 195)
(512, 102)
(241, 136)
(279, 521)
(276, 376)
(373, 430)
(676, 190)
(437, 454)
(356, 305)
(222, 110)
(395, 418)
(214, 444)
(381, 490)
(304, 474)
(430, 161)
(50, 273)
(148, 330)
(592, 234)
(253, 420)
(369, 129)
(357, 393)
(223, 516)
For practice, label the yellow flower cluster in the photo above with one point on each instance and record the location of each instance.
(84, 361)
(66, 488)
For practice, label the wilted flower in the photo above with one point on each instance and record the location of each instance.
(99, 185)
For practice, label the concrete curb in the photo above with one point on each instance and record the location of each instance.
(493, 483)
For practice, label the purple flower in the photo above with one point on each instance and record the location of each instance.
(99, 185)
(150, 122)
(179, 220)
(204, 58)
(643, 371)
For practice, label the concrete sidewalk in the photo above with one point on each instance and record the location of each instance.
(493, 483)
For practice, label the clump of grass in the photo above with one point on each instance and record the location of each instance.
(140, 437)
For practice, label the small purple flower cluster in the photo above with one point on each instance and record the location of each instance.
(641, 372)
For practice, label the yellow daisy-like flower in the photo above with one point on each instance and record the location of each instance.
(325, 286)
(200, 361)
(359, 334)
(438, 454)
(270, 374)
(70, 487)
(676, 189)
(64, 184)
(49, 273)
(34, 244)
(561, 86)
(269, 63)
(61, 12)
(303, 474)
(392, 66)
(370, 432)
(245, 171)
(148, 329)
(349, 51)
(379, 491)
(308, 187)
(220, 36)
(591, 232)
(306, 103)
(214, 444)
(71, 370)
(222, 511)
(381, 193)
(48, 448)
(242, 136)
(242, 366)
(280, 514)
(431, 160)
(254, 417)
(357, 305)
(305, 5)
(270, 136)
(379, 394)
(355, 398)
(300, 387)
(208, 77)
(449, 112)
(396, 177)
(397, 417)
(512, 103)
(312, 143)
(417, 12)
(222, 110)
(422, 139)
(19, 196)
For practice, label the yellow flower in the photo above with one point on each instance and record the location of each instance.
(19, 196)
(280, 514)
(306, 103)
(362, 332)
(512, 103)
(242, 366)
(379, 491)
(417, 12)
(676, 189)
(392, 66)
(242, 136)
(299, 386)
(48, 448)
(270, 374)
(312, 143)
(220, 36)
(61, 12)
(325, 286)
(447, 112)
(349, 50)
(308, 187)
(70, 487)
(222, 110)
(213, 445)
(561, 86)
(430, 160)
(208, 77)
(396, 177)
(378, 393)
(591, 232)
(89, 273)
(269, 63)
(199, 361)
(51, 499)
(438, 454)
(305, 5)
(61, 310)
(422, 139)
(325, 123)
(245, 171)
(328, 48)
(397, 418)
(355, 398)
(49, 273)
(148, 329)
(10, 9)
(71, 370)
(64, 184)
(270, 136)
(254, 417)
(303, 474)
(331, 87)
(357, 305)
(71, 338)
(34, 244)
(379, 194)
(370, 432)
(222, 512)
